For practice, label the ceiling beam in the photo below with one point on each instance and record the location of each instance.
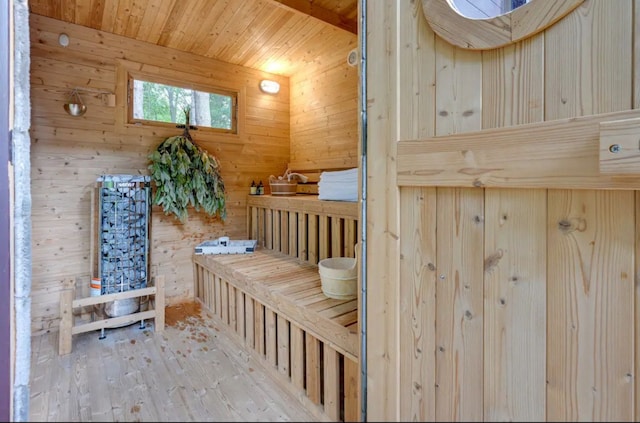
(308, 8)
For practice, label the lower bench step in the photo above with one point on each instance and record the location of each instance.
(275, 308)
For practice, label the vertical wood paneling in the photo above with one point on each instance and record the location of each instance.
(259, 327)
(284, 232)
(336, 236)
(297, 356)
(460, 246)
(458, 89)
(418, 74)
(351, 390)
(331, 382)
(350, 238)
(240, 304)
(312, 238)
(312, 352)
(588, 70)
(324, 228)
(590, 301)
(271, 340)
(324, 112)
(416, 296)
(302, 235)
(224, 299)
(418, 304)
(382, 215)
(217, 292)
(276, 233)
(233, 316)
(293, 233)
(514, 77)
(283, 345)
(588, 64)
(636, 316)
(249, 321)
(459, 308)
(515, 247)
(262, 225)
(515, 305)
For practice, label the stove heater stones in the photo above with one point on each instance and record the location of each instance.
(124, 215)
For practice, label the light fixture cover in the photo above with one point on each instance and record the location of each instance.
(352, 57)
(269, 87)
(63, 40)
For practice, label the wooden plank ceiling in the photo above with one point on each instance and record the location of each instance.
(277, 36)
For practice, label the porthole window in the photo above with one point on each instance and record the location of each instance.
(484, 9)
(451, 20)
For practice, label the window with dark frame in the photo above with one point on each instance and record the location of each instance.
(160, 103)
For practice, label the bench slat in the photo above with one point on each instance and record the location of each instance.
(249, 274)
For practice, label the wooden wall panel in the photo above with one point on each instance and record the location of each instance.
(514, 75)
(383, 228)
(68, 154)
(515, 305)
(585, 74)
(417, 378)
(324, 112)
(515, 247)
(418, 305)
(459, 308)
(458, 89)
(590, 305)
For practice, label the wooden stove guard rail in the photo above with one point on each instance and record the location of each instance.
(271, 300)
(69, 303)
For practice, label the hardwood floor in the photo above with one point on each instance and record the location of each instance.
(190, 372)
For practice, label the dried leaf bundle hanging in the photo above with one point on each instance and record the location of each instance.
(184, 175)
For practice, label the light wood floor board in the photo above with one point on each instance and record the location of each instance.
(190, 372)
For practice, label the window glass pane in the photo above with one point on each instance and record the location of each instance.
(166, 103)
(485, 9)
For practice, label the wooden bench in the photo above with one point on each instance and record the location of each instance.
(272, 301)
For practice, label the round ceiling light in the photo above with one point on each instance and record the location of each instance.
(269, 87)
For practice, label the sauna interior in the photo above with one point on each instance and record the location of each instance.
(496, 222)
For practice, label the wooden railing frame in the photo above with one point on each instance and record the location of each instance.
(302, 226)
(68, 304)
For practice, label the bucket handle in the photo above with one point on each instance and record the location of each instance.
(357, 252)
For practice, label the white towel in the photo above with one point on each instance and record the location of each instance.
(338, 193)
(349, 175)
(340, 185)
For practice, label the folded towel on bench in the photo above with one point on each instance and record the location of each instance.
(341, 185)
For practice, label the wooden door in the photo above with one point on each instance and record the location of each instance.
(511, 248)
